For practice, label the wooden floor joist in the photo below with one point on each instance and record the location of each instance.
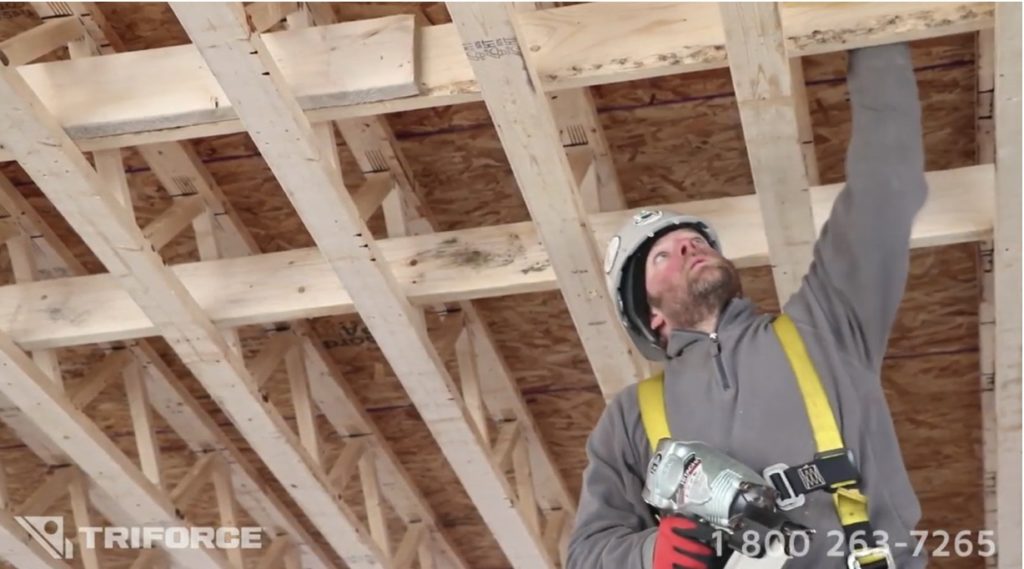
(529, 135)
(985, 151)
(261, 289)
(610, 42)
(251, 80)
(763, 83)
(1007, 274)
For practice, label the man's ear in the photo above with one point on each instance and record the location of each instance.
(657, 321)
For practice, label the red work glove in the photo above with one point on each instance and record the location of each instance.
(679, 545)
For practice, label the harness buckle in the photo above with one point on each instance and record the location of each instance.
(853, 561)
(788, 499)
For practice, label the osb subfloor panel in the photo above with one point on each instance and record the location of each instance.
(673, 139)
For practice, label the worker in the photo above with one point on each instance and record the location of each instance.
(728, 381)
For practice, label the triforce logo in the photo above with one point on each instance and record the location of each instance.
(48, 531)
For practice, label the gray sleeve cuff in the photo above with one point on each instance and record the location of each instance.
(647, 550)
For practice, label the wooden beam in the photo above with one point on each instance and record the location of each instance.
(254, 85)
(28, 429)
(267, 288)
(64, 175)
(985, 149)
(272, 355)
(173, 220)
(407, 549)
(804, 127)
(166, 94)
(1007, 260)
(762, 81)
(554, 526)
(425, 554)
(984, 57)
(226, 506)
(526, 497)
(469, 380)
(110, 170)
(264, 15)
(528, 133)
(506, 443)
(374, 502)
(79, 492)
(40, 40)
(347, 463)
(194, 480)
(305, 413)
(369, 197)
(142, 422)
(986, 359)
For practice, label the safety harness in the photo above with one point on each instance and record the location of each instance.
(832, 470)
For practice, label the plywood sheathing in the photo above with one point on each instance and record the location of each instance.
(673, 139)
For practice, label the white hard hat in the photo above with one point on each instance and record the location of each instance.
(624, 264)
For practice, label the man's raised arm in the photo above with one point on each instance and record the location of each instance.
(861, 258)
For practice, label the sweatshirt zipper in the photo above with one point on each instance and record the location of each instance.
(716, 353)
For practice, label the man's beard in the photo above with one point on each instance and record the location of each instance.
(704, 295)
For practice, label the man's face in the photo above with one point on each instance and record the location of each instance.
(687, 280)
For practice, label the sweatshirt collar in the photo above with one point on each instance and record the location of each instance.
(736, 311)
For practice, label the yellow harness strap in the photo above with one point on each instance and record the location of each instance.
(850, 503)
(651, 394)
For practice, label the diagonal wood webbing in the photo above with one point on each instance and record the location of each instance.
(251, 80)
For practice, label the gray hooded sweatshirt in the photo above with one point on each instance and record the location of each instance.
(738, 394)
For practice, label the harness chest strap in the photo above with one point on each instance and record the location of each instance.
(850, 503)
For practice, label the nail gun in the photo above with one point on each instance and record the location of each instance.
(695, 480)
